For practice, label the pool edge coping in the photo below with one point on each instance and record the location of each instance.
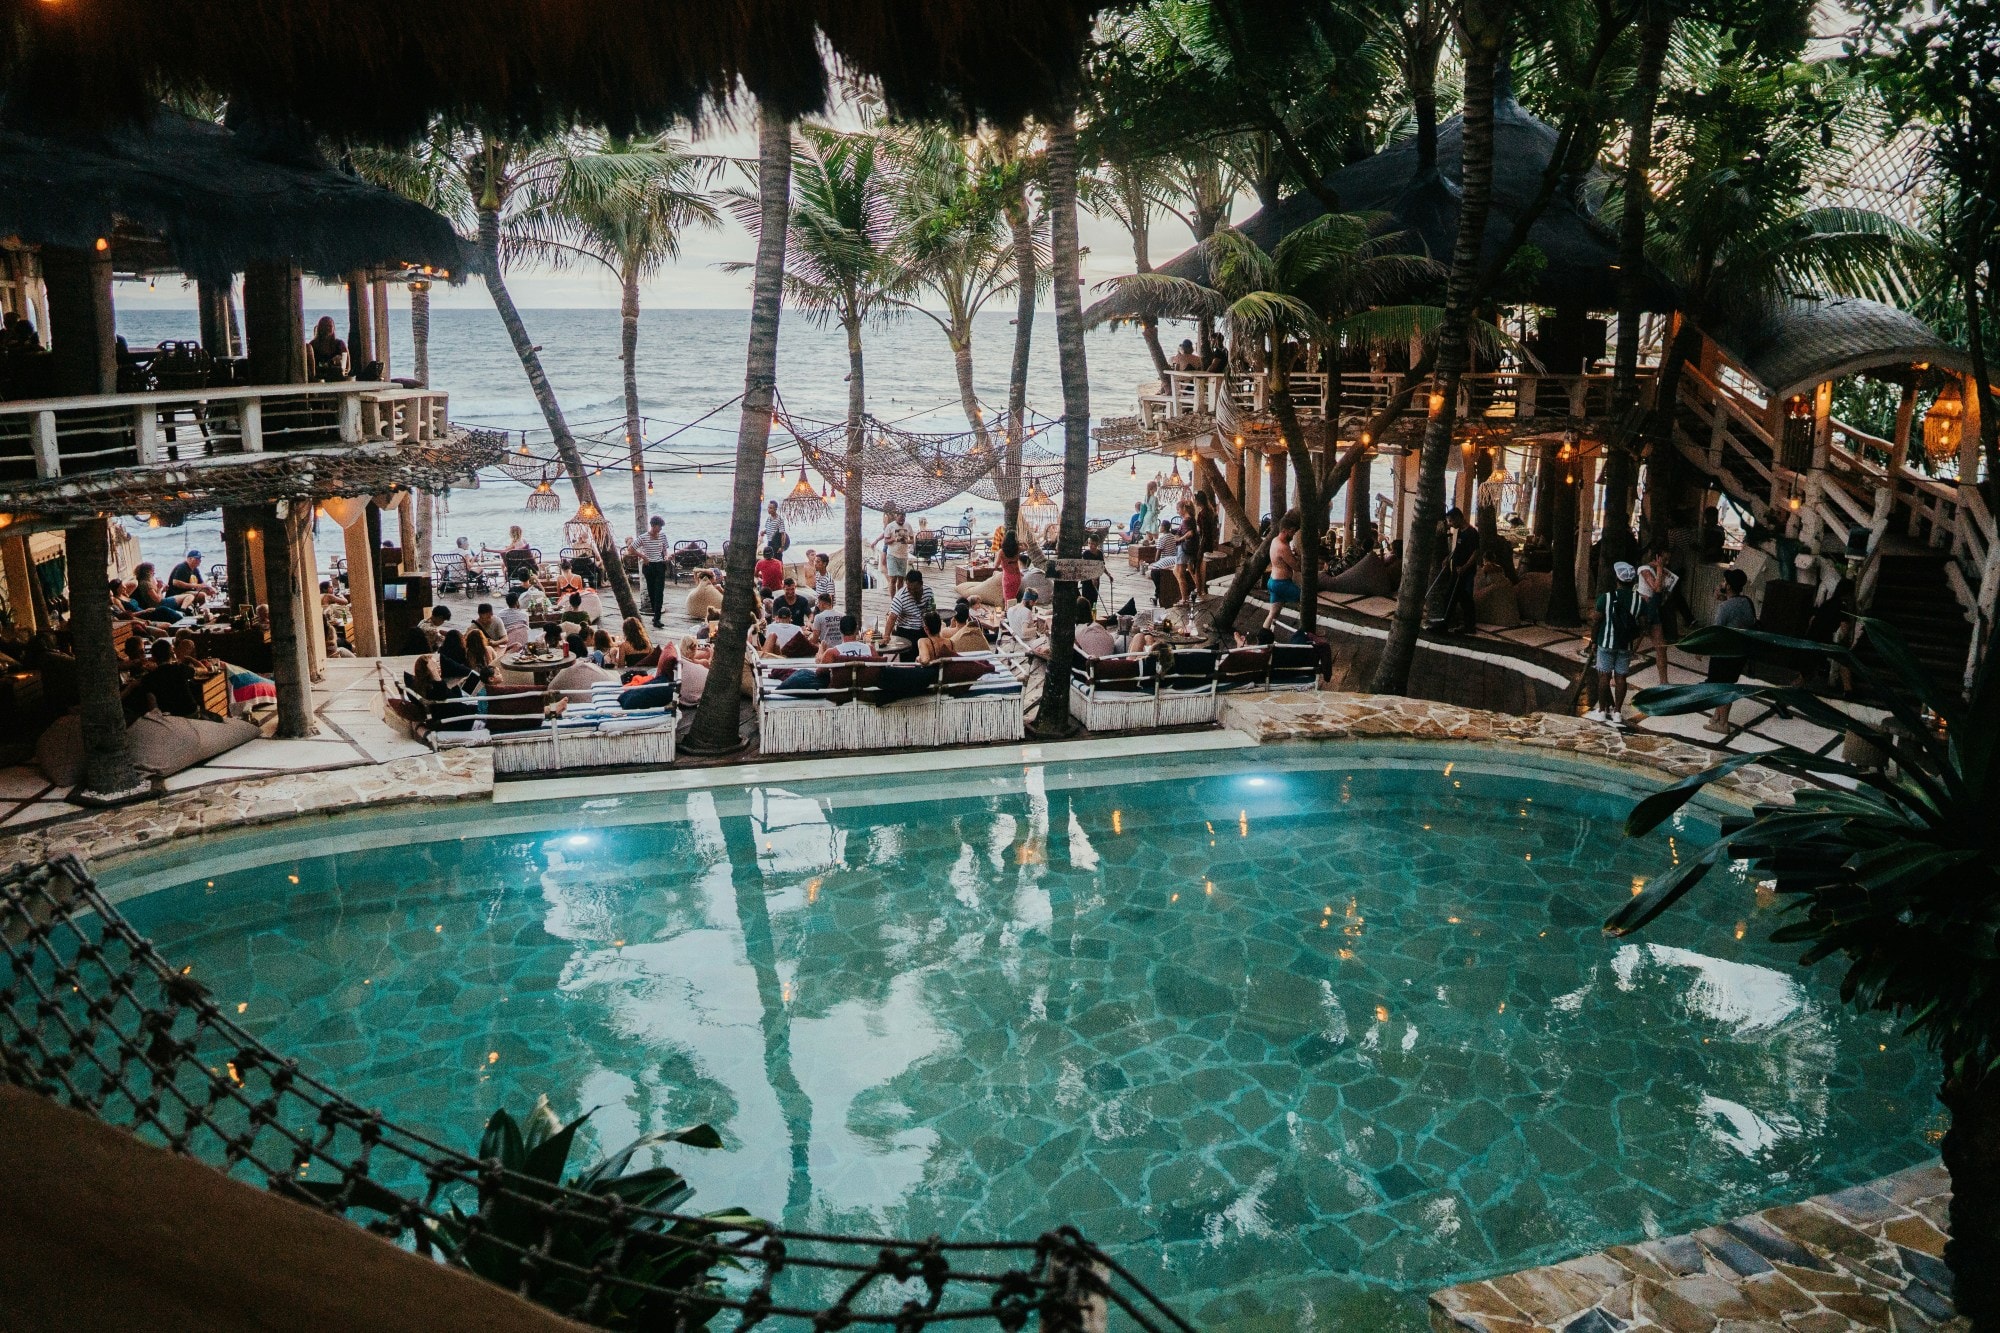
(457, 776)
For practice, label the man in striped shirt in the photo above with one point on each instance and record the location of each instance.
(907, 607)
(822, 580)
(652, 549)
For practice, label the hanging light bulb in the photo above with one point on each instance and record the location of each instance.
(649, 484)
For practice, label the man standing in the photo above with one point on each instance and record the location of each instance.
(1614, 624)
(776, 536)
(1458, 608)
(1733, 610)
(652, 549)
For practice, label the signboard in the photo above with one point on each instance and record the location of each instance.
(1075, 571)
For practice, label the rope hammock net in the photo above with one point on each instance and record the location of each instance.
(93, 1017)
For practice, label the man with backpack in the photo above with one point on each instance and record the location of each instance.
(1614, 627)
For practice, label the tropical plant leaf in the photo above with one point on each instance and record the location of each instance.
(1663, 891)
(1654, 810)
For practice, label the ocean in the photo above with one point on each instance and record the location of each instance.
(690, 362)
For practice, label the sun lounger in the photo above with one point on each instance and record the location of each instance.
(807, 708)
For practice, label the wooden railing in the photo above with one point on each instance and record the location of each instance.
(1483, 396)
(66, 437)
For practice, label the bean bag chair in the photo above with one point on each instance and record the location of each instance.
(1493, 601)
(1531, 596)
(1371, 576)
(706, 597)
(161, 746)
(693, 677)
(986, 591)
(580, 676)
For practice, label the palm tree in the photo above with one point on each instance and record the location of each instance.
(1319, 284)
(1010, 171)
(1128, 190)
(840, 266)
(496, 171)
(719, 714)
(1053, 717)
(1485, 24)
(953, 245)
(1896, 871)
(431, 172)
(632, 228)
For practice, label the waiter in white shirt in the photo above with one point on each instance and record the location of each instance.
(652, 549)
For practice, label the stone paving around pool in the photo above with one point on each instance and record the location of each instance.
(1864, 1259)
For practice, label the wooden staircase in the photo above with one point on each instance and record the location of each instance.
(1913, 594)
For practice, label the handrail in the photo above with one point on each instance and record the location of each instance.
(232, 393)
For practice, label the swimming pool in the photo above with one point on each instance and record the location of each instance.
(1308, 1031)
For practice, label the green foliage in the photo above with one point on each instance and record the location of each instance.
(622, 203)
(661, 1274)
(1898, 873)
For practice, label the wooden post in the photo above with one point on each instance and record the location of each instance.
(218, 327)
(291, 668)
(425, 506)
(1253, 488)
(360, 324)
(1586, 518)
(406, 532)
(236, 520)
(1275, 465)
(82, 329)
(380, 292)
(1969, 435)
(312, 622)
(108, 773)
(1462, 490)
(364, 628)
(1813, 522)
(17, 571)
(274, 323)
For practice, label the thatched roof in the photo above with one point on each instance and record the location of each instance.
(1792, 346)
(381, 68)
(173, 491)
(188, 196)
(1582, 255)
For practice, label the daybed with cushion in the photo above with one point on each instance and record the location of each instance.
(805, 708)
(1126, 691)
(612, 726)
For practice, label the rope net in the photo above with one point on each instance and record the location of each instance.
(92, 1016)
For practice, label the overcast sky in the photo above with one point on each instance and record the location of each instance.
(697, 280)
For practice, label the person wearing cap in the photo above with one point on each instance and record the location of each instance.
(1615, 623)
(186, 577)
(1021, 618)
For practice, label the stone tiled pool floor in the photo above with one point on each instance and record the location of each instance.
(1302, 1038)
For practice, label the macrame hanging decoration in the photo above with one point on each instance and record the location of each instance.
(803, 504)
(543, 499)
(1173, 489)
(586, 527)
(525, 466)
(1038, 508)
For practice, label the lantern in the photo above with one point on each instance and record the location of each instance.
(1173, 489)
(586, 527)
(1944, 424)
(1038, 509)
(803, 504)
(543, 499)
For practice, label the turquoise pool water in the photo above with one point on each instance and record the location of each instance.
(1301, 1034)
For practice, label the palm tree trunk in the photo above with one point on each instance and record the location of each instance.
(1308, 489)
(850, 490)
(545, 397)
(420, 333)
(718, 716)
(1971, 1151)
(1621, 460)
(1142, 262)
(108, 774)
(628, 352)
(1025, 279)
(968, 397)
(1054, 719)
(1485, 20)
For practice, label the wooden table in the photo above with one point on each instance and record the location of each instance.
(537, 670)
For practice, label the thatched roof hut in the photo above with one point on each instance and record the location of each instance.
(1582, 254)
(176, 194)
(381, 68)
(1797, 342)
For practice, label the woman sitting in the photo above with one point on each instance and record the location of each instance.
(430, 684)
(453, 667)
(934, 646)
(480, 660)
(603, 651)
(634, 650)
